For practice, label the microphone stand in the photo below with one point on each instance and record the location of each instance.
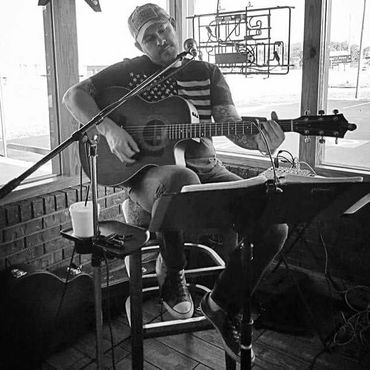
(76, 136)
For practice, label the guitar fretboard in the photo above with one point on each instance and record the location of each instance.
(207, 129)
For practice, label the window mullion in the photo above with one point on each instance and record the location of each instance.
(62, 66)
(313, 75)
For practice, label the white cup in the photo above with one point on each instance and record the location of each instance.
(82, 219)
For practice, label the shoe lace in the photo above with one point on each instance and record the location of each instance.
(235, 325)
(179, 284)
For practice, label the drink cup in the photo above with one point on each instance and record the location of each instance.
(82, 219)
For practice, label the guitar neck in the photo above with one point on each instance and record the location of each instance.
(207, 129)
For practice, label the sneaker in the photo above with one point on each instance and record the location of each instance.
(174, 292)
(227, 326)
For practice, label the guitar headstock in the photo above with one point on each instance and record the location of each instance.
(332, 125)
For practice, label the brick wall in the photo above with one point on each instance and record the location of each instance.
(30, 229)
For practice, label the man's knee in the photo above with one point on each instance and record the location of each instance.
(181, 176)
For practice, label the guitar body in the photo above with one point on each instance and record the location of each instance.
(146, 122)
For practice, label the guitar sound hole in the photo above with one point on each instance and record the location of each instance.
(154, 133)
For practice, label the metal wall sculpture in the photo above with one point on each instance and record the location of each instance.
(250, 41)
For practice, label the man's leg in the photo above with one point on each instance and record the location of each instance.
(225, 301)
(267, 244)
(147, 187)
(228, 289)
(211, 171)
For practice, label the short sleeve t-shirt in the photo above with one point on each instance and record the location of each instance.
(201, 83)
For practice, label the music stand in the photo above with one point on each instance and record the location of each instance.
(245, 205)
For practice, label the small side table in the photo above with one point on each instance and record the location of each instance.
(115, 240)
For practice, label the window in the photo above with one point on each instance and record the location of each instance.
(104, 37)
(347, 66)
(257, 95)
(24, 102)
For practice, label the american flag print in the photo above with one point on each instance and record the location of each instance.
(196, 92)
(161, 91)
(199, 94)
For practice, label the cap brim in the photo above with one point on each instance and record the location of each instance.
(141, 33)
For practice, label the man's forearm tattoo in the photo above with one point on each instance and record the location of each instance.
(225, 113)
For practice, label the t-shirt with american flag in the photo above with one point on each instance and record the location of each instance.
(199, 82)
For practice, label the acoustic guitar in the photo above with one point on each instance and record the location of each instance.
(161, 128)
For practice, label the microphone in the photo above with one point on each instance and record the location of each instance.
(190, 46)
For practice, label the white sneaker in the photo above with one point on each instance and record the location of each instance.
(174, 291)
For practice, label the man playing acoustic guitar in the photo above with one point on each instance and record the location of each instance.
(204, 86)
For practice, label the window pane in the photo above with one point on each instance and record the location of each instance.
(104, 37)
(24, 115)
(349, 82)
(254, 94)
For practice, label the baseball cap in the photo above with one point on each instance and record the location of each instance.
(143, 17)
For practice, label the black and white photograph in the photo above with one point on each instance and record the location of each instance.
(185, 184)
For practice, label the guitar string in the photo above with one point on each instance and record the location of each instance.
(205, 125)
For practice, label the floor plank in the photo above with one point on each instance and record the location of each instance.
(126, 364)
(204, 352)
(164, 357)
(65, 359)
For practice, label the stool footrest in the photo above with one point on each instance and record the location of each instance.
(173, 327)
(218, 263)
(200, 271)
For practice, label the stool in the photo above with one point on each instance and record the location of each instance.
(135, 215)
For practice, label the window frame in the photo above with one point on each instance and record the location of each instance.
(61, 54)
(62, 67)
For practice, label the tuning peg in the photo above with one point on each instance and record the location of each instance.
(322, 140)
(307, 139)
(335, 111)
(321, 112)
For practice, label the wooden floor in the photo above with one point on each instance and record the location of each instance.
(203, 350)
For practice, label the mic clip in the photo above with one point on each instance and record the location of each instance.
(182, 55)
(193, 52)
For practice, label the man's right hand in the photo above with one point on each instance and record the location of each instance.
(120, 142)
(80, 102)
